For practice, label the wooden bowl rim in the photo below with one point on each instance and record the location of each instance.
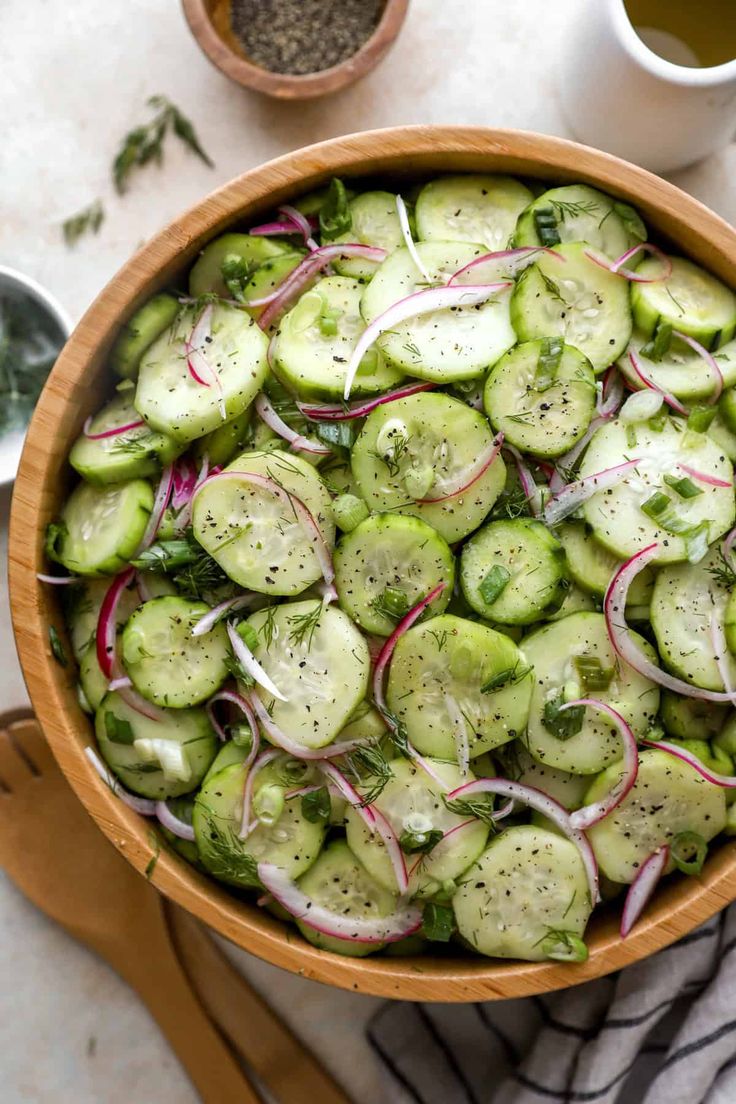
(70, 394)
(287, 85)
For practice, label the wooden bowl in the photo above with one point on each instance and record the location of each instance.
(209, 22)
(73, 391)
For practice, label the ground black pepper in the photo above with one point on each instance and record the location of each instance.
(303, 36)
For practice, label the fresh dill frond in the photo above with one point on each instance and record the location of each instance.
(371, 769)
(145, 143)
(87, 221)
(564, 209)
(723, 572)
(226, 857)
(305, 625)
(480, 807)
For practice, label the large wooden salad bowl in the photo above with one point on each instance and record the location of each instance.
(73, 391)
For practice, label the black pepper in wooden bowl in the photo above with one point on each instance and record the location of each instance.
(303, 36)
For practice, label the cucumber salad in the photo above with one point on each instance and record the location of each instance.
(399, 573)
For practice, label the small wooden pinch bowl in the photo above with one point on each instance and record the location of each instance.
(74, 390)
(209, 22)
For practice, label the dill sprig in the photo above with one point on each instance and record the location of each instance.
(226, 858)
(393, 456)
(145, 143)
(88, 220)
(479, 807)
(564, 209)
(372, 770)
(192, 570)
(723, 572)
(305, 625)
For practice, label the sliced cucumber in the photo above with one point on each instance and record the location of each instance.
(170, 398)
(575, 601)
(685, 598)
(518, 764)
(206, 276)
(227, 441)
(452, 680)
(412, 802)
(680, 371)
(552, 652)
(689, 718)
(513, 572)
(319, 660)
(528, 883)
(100, 528)
(730, 624)
(724, 437)
(574, 299)
(668, 797)
(140, 331)
(339, 882)
(155, 758)
(82, 610)
(541, 395)
(385, 566)
(134, 454)
(616, 514)
(414, 448)
(375, 221)
(592, 566)
(91, 679)
(228, 754)
(690, 300)
(257, 540)
(579, 213)
(472, 208)
(168, 665)
(292, 842)
(458, 343)
(267, 277)
(316, 339)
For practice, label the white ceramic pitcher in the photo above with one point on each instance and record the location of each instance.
(619, 95)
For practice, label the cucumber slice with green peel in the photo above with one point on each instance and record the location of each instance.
(685, 598)
(542, 396)
(592, 566)
(386, 565)
(339, 882)
(730, 624)
(726, 738)
(101, 528)
(417, 448)
(690, 300)
(686, 718)
(227, 755)
(267, 277)
(316, 339)
(518, 764)
(472, 208)
(135, 454)
(576, 300)
(723, 437)
(91, 679)
(140, 331)
(318, 659)
(171, 400)
(453, 680)
(527, 886)
(513, 572)
(257, 540)
(375, 221)
(227, 441)
(668, 797)
(727, 409)
(291, 843)
(681, 371)
(616, 515)
(575, 601)
(579, 213)
(183, 808)
(573, 658)
(412, 803)
(155, 758)
(206, 276)
(82, 610)
(366, 723)
(457, 343)
(168, 665)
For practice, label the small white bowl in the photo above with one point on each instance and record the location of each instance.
(18, 286)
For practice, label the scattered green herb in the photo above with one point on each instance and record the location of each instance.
(689, 851)
(659, 345)
(545, 223)
(438, 922)
(564, 946)
(592, 674)
(88, 220)
(117, 729)
(334, 214)
(316, 806)
(145, 143)
(57, 648)
(563, 723)
(305, 625)
(631, 220)
(684, 487)
(480, 807)
(494, 583)
(420, 843)
(392, 602)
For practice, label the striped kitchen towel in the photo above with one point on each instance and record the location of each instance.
(660, 1032)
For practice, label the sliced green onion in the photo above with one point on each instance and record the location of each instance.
(659, 345)
(248, 635)
(684, 487)
(268, 803)
(494, 583)
(564, 946)
(592, 674)
(545, 223)
(348, 511)
(656, 505)
(700, 418)
(336, 433)
(548, 363)
(696, 543)
(689, 851)
(393, 602)
(630, 436)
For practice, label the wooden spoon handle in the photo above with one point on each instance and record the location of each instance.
(157, 975)
(288, 1070)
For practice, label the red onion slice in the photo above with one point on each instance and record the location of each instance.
(709, 359)
(106, 433)
(235, 699)
(532, 492)
(360, 409)
(614, 605)
(250, 664)
(209, 620)
(121, 683)
(543, 803)
(58, 580)
(728, 782)
(466, 480)
(575, 494)
(414, 306)
(616, 267)
(185, 480)
(410, 243)
(704, 477)
(522, 253)
(384, 656)
(427, 767)
(106, 633)
(266, 757)
(728, 542)
(302, 224)
(568, 461)
(297, 751)
(269, 417)
(612, 395)
(146, 709)
(642, 887)
(591, 814)
(160, 502)
(647, 380)
(140, 805)
(178, 827)
(388, 929)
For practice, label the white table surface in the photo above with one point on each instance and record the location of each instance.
(73, 78)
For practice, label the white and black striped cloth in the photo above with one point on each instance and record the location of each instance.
(660, 1032)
